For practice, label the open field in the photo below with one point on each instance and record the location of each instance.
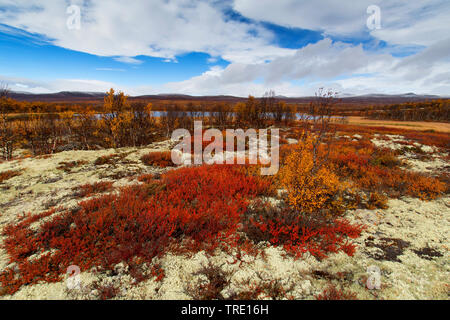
(355, 210)
(412, 125)
(81, 203)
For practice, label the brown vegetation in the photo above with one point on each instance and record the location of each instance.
(6, 175)
(435, 110)
(88, 190)
(333, 293)
(158, 159)
(120, 123)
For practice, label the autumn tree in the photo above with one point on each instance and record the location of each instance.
(267, 107)
(288, 112)
(240, 114)
(434, 110)
(85, 128)
(307, 174)
(252, 111)
(116, 118)
(282, 113)
(43, 133)
(169, 120)
(249, 113)
(184, 118)
(143, 124)
(221, 115)
(318, 123)
(7, 137)
(193, 111)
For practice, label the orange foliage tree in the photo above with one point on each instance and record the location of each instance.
(8, 132)
(114, 117)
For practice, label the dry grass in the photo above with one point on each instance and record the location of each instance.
(67, 166)
(111, 159)
(408, 125)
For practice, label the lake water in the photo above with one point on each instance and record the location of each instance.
(299, 116)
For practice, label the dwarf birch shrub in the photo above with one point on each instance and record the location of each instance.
(311, 187)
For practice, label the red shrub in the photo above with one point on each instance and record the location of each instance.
(201, 208)
(333, 293)
(192, 209)
(299, 234)
(146, 178)
(158, 159)
(88, 190)
(373, 169)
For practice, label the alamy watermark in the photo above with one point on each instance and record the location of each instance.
(374, 20)
(259, 150)
(374, 279)
(73, 281)
(73, 22)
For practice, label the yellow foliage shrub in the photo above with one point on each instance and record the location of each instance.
(311, 186)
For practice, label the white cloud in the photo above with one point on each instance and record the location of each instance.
(436, 56)
(157, 28)
(331, 16)
(346, 68)
(402, 22)
(414, 22)
(20, 85)
(322, 61)
(39, 86)
(80, 85)
(326, 60)
(167, 28)
(394, 83)
(130, 60)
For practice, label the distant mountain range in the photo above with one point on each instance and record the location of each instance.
(69, 96)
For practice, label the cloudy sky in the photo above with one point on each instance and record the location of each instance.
(237, 47)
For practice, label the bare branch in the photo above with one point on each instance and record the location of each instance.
(4, 90)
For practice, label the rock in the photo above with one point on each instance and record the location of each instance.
(52, 179)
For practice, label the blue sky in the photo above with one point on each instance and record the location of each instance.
(22, 56)
(236, 47)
